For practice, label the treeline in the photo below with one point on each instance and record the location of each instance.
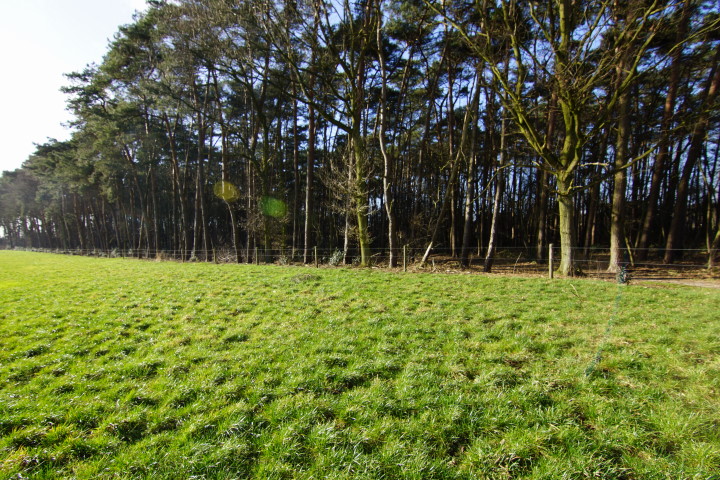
(451, 126)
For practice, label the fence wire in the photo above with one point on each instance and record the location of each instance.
(592, 263)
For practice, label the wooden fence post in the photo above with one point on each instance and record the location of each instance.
(551, 267)
(404, 258)
(316, 257)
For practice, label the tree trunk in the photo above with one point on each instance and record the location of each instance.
(566, 211)
(713, 251)
(296, 174)
(541, 209)
(200, 244)
(497, 200)
(78, 223)
(361, 199)
(388, 178)
(348, 226)
(356, 136)
(658, 172)
(617, 215)
(675, 234)
(542, 179)
(469, 199)
(153, 207)
(307, 256)
(178, 188)
(467, 121)
(228, 193)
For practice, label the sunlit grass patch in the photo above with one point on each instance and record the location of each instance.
(135, 369)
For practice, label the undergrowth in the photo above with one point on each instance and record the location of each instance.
(114, 368)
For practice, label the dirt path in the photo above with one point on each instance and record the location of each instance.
(706, 283)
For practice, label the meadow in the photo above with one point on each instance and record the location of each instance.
(120, 368)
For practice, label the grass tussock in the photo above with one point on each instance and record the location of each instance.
(114, 368)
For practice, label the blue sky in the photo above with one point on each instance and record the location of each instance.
(40, 40)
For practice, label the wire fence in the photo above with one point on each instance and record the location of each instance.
(592, 263)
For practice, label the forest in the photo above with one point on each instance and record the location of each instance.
(360, 128)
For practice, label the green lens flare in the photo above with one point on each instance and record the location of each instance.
(272, 207)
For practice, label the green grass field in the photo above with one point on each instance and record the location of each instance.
(114, 368)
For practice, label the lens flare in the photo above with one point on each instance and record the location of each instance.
(226, 191)
(272, 207)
